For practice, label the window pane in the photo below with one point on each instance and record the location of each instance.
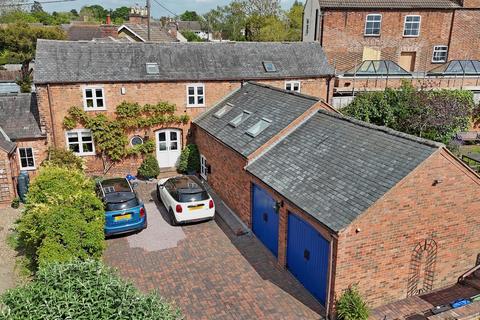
(29, 152)
(99, 93)
(72, 137)
(200, 99)
(89, 103)
(200, 90)
(75, 147)
(162, 146)
(173, 135)
(161, 136)
(191, 100)
(30, 162)
(288, 87)
(87, 147)
(191, 90)
(23, 162)
(88, 93)
(296, 87)
(22, 153)
(86, 136)
(173, 145)
(99, 103)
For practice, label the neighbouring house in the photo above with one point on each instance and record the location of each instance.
(416, 34)
(195, 27)
(23, 144)
(338, 201)
(79, 31)
(98, 76)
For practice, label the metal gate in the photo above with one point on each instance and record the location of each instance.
(265, 218)
(307, 256)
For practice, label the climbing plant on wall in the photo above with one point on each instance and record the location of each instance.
(111, 134)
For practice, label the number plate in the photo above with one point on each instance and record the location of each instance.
(195, 208)
(124, 217)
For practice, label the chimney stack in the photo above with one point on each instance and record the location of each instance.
(109, 20)
(138, 15)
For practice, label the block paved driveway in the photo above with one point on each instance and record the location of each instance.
(207, 271)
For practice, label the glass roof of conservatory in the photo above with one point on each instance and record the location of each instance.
(457, 67)
(377, 68)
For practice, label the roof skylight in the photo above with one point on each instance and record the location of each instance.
(240, 118)
(269, 66)
(225, 109)
(152, 68)
(377, 68)
(258, 127)
(457, 67)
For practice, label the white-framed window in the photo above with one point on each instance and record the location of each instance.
(195, 95)
(26, 158)
(94, 99)
(292, 86)
(80, 142)
(203, 167)
(440, 54)
(411, 26)
(373, 24)
(136, 140)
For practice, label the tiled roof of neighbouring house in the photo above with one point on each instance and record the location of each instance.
(69, 62)
(334, 167)
(278, 106)
(5, 143)
(157, 32)
(189, 25)
(389, 4)
(19, 116)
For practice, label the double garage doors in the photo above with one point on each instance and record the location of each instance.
(307, 251)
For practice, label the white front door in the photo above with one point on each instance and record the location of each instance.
(169, 146)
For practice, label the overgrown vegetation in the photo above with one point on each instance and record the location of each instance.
(351, 306)
(191, 36)
(110, 135)
(189, 159)
(82, 290)
(15, 203)
(435, 114)
(64, 158)
(63, 218)
(149, 168)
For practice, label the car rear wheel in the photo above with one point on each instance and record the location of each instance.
(171, 215)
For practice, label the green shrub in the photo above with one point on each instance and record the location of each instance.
(351, 306)
(82, 290)
(64, 158)
(63, 218)
(149, 168)
(15, 203)
(189, 159)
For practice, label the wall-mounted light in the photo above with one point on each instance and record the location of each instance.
(437, 181)
(358, 230)
(123, 90)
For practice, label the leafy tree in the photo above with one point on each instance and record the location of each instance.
(190, 16)
(64, 158)
(119, 15)
(189, 159)
(94, 13)
(351, 306)
(37, 7)
(74, 12)
(17, 16)
(19, 42)
(191, 36)
(295, 17)
(271, 29)
(82, 290)
(149, 168)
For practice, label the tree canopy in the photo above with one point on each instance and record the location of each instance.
(190, 16)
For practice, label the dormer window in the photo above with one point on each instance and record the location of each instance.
(269, 66)
(152, 68)
(224, 110)
(258, 127)
(240, 118)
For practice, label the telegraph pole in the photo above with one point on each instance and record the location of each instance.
(148, 19)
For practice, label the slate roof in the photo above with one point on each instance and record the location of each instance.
(334, 167)
(157, 33)
(279, 106)
(70, 62)
(390, 4)
(5, 143)
(189, 25)
(83, 32)
(19, 116)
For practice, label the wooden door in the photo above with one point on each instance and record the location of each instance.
(407, 60)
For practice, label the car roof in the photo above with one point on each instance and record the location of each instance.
(187, 183)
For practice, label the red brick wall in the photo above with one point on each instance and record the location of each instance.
(466, 34)
(344, 40)
(7, 192)
(64, 96)
(378, 257)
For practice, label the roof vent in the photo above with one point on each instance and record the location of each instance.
(269, 66)
(225, 109)
(240, 118)
(152, 68)
(258, 127)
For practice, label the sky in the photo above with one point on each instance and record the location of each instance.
(176, 6)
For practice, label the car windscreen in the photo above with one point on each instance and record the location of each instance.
(115, 185)
(192, 195)
(130, 203)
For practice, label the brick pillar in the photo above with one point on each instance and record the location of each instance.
(282, 237)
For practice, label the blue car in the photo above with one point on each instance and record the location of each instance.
(124, 212)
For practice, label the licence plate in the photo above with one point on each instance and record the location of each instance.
(123, 217)
(195, 208)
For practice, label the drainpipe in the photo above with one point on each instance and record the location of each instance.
(51, 116)
(329, 79)
(330, 276)
(451, 32)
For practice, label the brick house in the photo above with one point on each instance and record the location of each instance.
(23, 144)
(339, 201)
(416, 34)
(98, 76)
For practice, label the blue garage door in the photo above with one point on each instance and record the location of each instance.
(307, 256)
(265, 219)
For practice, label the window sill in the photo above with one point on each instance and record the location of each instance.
(94, 109)
(196, 106)
(372, 35)
(439, 62)
(85, 154)
(28, 169)
(411, 36)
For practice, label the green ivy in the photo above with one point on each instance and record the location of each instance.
(111, 135)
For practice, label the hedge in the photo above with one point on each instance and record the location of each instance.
(63, 218)
(82, 291)
(189, 159)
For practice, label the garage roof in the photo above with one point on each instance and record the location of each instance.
(236, 120)
(334, 167)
